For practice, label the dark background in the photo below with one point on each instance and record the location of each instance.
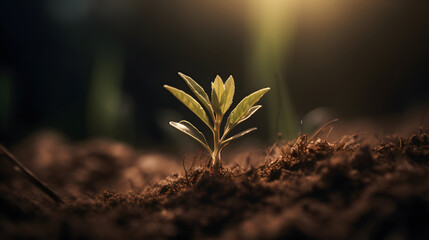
(89, 68)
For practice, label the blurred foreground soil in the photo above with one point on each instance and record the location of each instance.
(354, 186)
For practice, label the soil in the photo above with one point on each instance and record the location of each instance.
(304, 189)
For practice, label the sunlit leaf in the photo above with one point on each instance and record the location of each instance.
(215, 101)
(241, 109)
(192, 131)
(198, 91)
(219, 87)
(217, 94)
(249, 113)
(228, 94)
(191, 103)
(246, 116)
(239, 135)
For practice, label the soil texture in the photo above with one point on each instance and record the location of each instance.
(303, 189)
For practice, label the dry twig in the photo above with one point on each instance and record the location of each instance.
(30, 175)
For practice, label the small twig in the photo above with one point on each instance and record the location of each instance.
(269, 153)
(322, 127)
(197, 158)
(329, 133)
(30, 175)
(186, 171)
(275, 161)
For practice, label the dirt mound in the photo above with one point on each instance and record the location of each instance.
(306, 189)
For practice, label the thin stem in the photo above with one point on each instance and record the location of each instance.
(227, 131)
(217, 143)
(224, 134)
(321, 128)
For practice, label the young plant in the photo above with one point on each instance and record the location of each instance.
(216, 107)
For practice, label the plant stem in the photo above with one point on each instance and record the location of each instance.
(217, 146)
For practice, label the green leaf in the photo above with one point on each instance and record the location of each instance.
(191, 103)
(198, 91)
(228, 94)
(219, 87)
(249, 113)
(246, 116)
(215, 101)
(241, 109)
(192, 131)
(217, 94)
(239, 135)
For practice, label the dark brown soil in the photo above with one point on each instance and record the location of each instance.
(305, 189)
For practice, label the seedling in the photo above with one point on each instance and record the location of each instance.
(216, 107)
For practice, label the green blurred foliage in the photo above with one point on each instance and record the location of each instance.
(105, 91)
